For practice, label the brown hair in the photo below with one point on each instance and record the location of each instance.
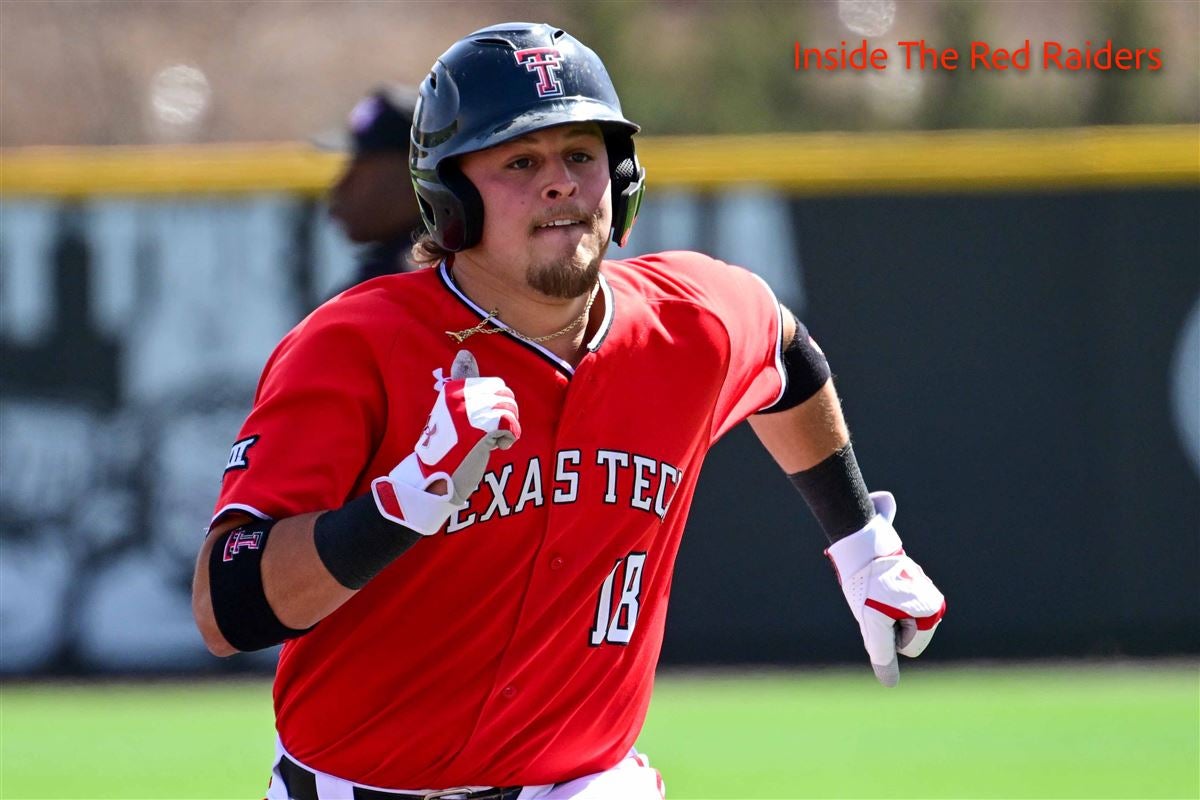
(428, 253)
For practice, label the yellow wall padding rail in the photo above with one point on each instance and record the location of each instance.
(805, 163)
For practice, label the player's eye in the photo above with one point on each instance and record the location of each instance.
(581, 157)
(524, 162)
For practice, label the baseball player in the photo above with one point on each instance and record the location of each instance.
(372, 200)
(459, 495)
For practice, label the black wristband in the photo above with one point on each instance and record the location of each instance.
(836, 494)
(355, 542)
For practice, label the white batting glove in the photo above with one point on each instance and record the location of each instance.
(471, 417)
(897, 607)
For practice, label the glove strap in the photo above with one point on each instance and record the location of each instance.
(876, 540)
(411, 507)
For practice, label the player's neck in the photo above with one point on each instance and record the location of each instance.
(571, 347)
(528, 311)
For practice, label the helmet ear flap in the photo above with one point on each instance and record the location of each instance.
(442, 213)
(628, 184)
(451, 208)
(465, 223)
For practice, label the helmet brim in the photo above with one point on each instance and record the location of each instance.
(542, 115)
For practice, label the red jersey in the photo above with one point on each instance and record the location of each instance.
(518, 645)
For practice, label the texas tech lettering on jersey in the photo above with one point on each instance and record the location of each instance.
(510, 490)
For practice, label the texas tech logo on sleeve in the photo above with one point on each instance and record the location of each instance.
(616, 617)
(240, 540)
(546, 62)
(237, 455)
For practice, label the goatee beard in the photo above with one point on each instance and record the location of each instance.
(563, 279)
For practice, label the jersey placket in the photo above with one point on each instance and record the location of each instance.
(554, 559)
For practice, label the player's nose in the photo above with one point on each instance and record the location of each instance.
(560, 182)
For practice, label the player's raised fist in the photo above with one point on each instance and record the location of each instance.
(896, 605)
(490, 405)
(471, 417)
(471, 405)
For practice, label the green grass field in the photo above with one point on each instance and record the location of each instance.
(1020, 732)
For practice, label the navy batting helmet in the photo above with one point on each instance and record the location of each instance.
(495, 85)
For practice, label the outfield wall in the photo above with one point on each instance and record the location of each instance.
(1014, 323)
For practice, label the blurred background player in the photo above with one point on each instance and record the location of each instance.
(373, 201)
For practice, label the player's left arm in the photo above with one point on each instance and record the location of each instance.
(896, 605)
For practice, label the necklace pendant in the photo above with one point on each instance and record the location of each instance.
(456, 336)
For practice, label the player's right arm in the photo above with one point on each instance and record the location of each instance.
(298, 587)
(259, 581)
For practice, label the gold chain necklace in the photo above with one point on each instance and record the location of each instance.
(459, 336)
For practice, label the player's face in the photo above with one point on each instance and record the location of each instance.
(373, 201)
(547, 210)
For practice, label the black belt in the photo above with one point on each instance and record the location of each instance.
(302, 785)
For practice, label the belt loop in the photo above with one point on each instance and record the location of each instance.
(299, 782)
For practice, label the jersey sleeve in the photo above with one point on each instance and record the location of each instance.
(751, 317)
(318, 415)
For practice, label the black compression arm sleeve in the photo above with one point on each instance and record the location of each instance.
(836, 493)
